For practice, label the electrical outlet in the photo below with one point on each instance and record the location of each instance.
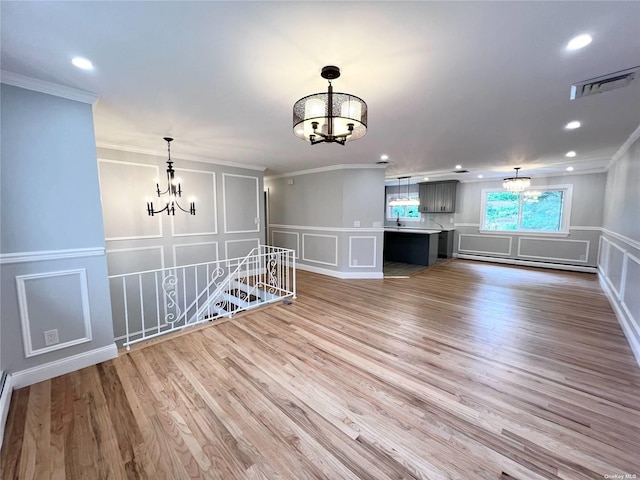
(51, 337)
(356, 223)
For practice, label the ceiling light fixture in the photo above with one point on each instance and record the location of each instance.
(480, 176)
(174, 189)
(570, 154)
(404, 201)
(458, 167)
(82, 63)
(569, 169)
(331, 117)
(516, 184)
(384, 157)
(579, 42)
(572, 125)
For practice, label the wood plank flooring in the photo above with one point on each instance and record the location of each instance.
(463, 371)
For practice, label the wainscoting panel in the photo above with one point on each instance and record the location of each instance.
(615, 268)
(362, 251)
(120, 182)
(487, 244)
(320, 248)
(192, 253)
(130, 260)
(554, 249)
(241, 201)
(631, 297)
(240, 248)
(202, 185)
(290, 240)
(49, 301)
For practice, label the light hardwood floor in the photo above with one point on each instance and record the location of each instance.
(464, 371)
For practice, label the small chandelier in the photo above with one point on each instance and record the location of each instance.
(174, 190)
(516, 184)
(330, 117)
(404, 201)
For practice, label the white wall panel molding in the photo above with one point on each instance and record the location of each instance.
(489, 252)
(470, 225)
(586, 243)
(187, 245)
(527, 263)
(603, 254)
(26, 319)
(618, 291)
(372, 263)
(49, 88)
(277, 244)
(326, 229)
(39, 256)
(629, 241)
(135, 249)
(27, 377)
(246, 240)
(215, 207)
(225, 213)
(338, 274)
(157, 218)
(305, 236)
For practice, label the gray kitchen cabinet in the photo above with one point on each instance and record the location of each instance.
(445, 244)
(438, 197)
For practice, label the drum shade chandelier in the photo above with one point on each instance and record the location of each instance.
(331, 117)
(516, 184)
(173, 191)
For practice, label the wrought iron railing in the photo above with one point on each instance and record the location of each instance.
(148, 304)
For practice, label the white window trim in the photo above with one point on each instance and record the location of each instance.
(566, 212)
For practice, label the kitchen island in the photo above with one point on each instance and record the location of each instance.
(411, 245)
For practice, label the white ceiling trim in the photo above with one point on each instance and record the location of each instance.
(624, 148)
(193, 158)
(344, 166)
(49, 88)
(543, 175)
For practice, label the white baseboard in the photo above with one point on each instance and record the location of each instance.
(27, 377)
(337, 274)
(5, 400)
(527, 263)
(623, 319)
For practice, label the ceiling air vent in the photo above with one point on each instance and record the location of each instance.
(460, 171)
(604, 84)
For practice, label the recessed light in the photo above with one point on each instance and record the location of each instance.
(426, 178)
(480, 176)
(570, 154)
(384, 157)
(458, 167)
(82, 63)
(569, 169)
(572, 125)
(579, 42)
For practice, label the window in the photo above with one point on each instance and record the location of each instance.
(543, 210)
(404, 212)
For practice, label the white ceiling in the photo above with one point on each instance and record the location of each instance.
(480, 84)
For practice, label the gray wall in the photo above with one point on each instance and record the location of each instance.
(52, 240)
(228, 222)
(580, 247)
(619, 259)
(333, 219)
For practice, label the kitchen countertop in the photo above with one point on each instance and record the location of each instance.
(423, 231)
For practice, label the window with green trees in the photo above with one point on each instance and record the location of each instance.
(543, 210)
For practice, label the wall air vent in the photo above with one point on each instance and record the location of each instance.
(460, 171)
(604, 84)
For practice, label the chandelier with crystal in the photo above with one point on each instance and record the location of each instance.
(516, 184)
(173, 191)
(331, 117)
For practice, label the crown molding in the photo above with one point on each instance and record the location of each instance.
(28, 83)
(192, 158)
(346, 166)
(624, 148)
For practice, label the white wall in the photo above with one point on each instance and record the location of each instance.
(317, 213)
(619, 250)
(54, 271)
(228, 222)
(579, 248)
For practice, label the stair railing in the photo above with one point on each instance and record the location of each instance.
(152, 303)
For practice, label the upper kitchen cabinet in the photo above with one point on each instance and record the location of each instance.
(438, 197)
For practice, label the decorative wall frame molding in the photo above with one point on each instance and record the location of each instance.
(373, 265)
(215, 208)
(224, 202)
(39, 256)
(304, 249)
(227, 242)
(23, 307)
(544, 239)
(183, 245)
(297, 235)
(482, 251)
(134, 249)
(326, 229)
